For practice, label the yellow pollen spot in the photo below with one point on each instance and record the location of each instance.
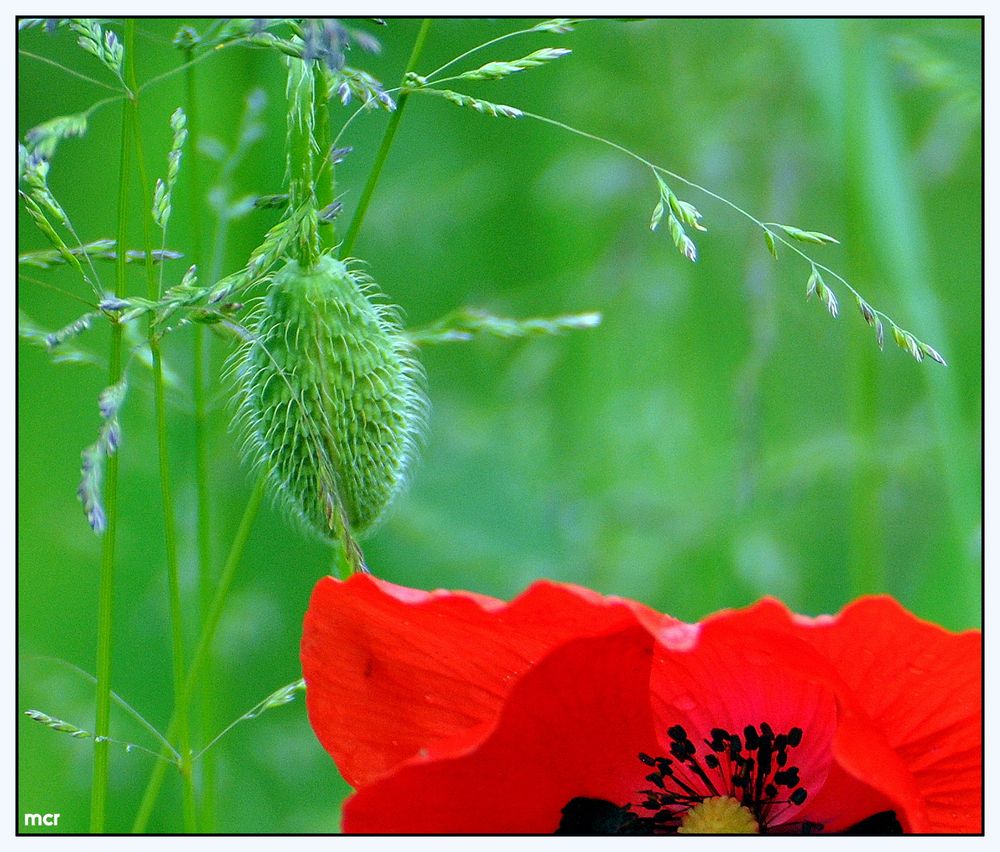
(719, 815)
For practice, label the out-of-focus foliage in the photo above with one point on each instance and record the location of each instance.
(715, 439)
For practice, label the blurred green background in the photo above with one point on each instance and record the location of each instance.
(717, 439)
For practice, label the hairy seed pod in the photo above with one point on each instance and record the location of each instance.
(331, 399)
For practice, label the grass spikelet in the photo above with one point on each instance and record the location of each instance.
(496, 70)
(479, 105)
(57, 724)
(331, 400)
(92, 458)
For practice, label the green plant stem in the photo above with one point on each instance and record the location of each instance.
(325, 187)
(201, 653)
(383, 151)
(201, 355)
(105, 600)
(301, 187)
(169, 518)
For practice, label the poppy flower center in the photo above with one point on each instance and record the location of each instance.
(736, 785)
(719, 815)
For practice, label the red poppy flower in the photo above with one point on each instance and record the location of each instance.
(565, 711)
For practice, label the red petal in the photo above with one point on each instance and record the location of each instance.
(571, 726)
(921, 686)
(390, 671)
(866, 777)
(731, 679)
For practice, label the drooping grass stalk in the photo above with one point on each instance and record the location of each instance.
(169, 518)
(105, 601)
(201, 356)
(383, 151)
(204, 645)
(767, 227)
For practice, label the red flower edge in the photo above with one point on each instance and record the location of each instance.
(451, 712)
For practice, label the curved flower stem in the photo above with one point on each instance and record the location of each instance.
(169, 517)
(200, 656)
(383, 151)
(105, 604)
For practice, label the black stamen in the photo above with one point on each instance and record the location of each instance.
(754, 771)
(735, 746)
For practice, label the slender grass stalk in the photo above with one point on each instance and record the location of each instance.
(201, 357)
(169, 517)
(200, 354)
(115, 697)
(490, 43)
(203, 648)
(276, 699)
(383, 151)
(215, 51)
(66, 294)
(105, 604)
(71, 71)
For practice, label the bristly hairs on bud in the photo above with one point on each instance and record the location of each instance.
(330, 400)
